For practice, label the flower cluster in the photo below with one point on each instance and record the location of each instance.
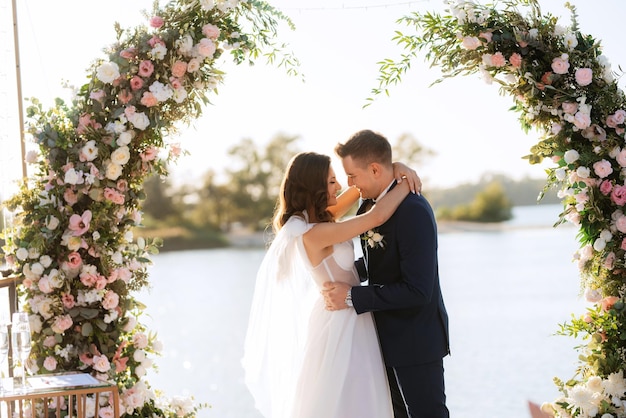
(72, 243)
(374, 239)
(564, 89)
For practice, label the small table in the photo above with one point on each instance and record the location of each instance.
(44, 388)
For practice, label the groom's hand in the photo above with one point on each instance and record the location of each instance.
(335, 295)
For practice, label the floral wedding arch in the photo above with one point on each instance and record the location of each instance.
(564, 89)
(72, 241)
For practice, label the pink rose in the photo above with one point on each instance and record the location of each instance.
(125, 96)
(61, 324)
(609, 261)
(128, 53)
(605, 187)
(584, 76)
(620, 224)
(68, 300)
(620, 116)
(211, 31)
(146, 68)
(74, 260)
(582, 120)
(44, 285)
(206, 48)
(611, 122)
(50, 341)
(602, 168)
(129, 112)
(50, 363)
(179, 68)
(148, 99)
(101, 282)
(70, 197)
(608, 302)
(122, 185)
(618, 195)
(156, 22)
(97, 95)
(136, 83)
(498, 60)
(570, 107)
(487, 36)
(623, 246)
(114, 196)
(155, 40)
(471, 42)
(516, 60)
(88, 279)
(175, 83)
(140, 340)
(560, 65)
(101, 363)
(149, 154)
(110, 300)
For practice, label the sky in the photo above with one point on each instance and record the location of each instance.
(465, 121)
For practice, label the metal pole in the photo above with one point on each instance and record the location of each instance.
(18, 77)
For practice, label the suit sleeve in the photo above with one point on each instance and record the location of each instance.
(416, 238)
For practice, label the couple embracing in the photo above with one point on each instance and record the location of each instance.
(319, 343)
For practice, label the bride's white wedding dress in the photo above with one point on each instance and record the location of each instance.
(336, 369)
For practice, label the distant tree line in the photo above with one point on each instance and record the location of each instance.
(244, 196)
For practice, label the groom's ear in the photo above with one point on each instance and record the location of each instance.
(376, 169)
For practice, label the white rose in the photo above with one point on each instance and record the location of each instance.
(207, 4)
(33, 253)
(161, 91)
(185, 45)
(107, 72)
(52, 222)
(71, 177)
(120, 156)
(37, 268)
(139, 356)
(599, 244)
(583, 172)
(560, 174)
(31, 157)
(113, 171)
(45, 260)
(140, 371)
(470, 42)
(90, 151)
(21, 254)
(125, 137)
(592, 295)
(179, 95)
(140, 121)
(571, 155)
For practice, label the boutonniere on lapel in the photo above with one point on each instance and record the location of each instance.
(374, 238)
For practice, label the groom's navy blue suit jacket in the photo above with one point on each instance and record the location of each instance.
(404, 292)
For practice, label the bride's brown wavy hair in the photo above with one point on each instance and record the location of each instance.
(304, 186)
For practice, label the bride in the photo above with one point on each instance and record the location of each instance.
(300, 360)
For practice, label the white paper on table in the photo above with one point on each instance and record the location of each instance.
(64, 380)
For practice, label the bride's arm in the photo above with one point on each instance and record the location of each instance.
(345, 201)
(350, 196)
(326, 234)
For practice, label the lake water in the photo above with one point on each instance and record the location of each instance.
(506, 291)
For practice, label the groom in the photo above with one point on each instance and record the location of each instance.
(403, 290)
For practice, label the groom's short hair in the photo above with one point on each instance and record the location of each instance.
(366, 147)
